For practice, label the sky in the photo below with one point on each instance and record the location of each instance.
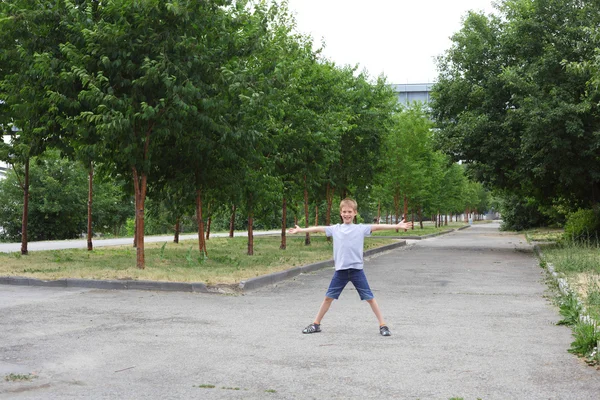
(398, 38)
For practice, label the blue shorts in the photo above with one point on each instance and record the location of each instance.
(342, 277)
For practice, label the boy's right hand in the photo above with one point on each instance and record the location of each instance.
(296, 229)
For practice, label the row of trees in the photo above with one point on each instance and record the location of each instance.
(517, 99)
(216, 103)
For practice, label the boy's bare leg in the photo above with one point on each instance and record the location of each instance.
(377, 311)
(323, 309)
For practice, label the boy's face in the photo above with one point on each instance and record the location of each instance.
(347, 214)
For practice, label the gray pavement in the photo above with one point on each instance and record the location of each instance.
(98, 242)
(468, 311)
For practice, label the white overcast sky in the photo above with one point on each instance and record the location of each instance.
(398, 38)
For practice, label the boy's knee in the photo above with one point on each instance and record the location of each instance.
(328, 299)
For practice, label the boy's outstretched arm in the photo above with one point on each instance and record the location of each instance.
(311, 229)
(401, 225)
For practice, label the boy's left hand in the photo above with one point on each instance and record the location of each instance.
(405, 225)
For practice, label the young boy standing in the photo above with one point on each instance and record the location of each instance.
(348, 244)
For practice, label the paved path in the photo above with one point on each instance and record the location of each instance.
(82, 243)
(468, 313)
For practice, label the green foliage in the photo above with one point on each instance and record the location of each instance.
(570, 309)
(520, 213)
(587, 337)
(58, 202)
(506, 105)
(582, 225)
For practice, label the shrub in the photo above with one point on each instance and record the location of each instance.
(582, 225)
(519, 213)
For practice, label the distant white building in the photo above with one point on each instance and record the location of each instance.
(410, 92)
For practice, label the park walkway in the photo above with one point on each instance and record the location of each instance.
(468, 311)
(82, 243)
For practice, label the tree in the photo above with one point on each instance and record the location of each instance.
(136, 66)
(508, 106)
(58, 201)
(29, 30)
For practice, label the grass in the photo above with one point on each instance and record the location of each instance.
(579, 264)
(227, 260)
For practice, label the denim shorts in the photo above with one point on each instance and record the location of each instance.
(342, 277)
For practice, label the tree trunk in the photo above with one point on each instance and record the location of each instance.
(405, 210)
(329, 193)
(90, 246)
(24, 219)
(140, 183)
(283, 244)
(413, 217)
(209, 222)
(329, 199)
(420, 217)
(307, 238)
(378, 211)
(397, 207)
(250, 228)
(135, 221)
(201, 242)
(232, 221)
(177, 228)
(316, 215)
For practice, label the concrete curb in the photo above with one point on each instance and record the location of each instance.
(200, 287)
(565, 289)
(107, 284)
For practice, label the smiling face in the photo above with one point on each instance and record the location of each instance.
(348, 213)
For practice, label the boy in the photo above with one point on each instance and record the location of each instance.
(348, 242)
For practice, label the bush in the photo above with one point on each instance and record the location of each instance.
(582, 225)
(520, 213)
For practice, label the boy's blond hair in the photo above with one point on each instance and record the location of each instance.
(349, 203)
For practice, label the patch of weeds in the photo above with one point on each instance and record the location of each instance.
(570, 309)
(162, 250)
(16, 255)
(230, 388)
(61, 256)
(593, 300)
(202, 258)
(189, 257)
(270, 391)
(19, 377)
(43, 270)
(206, 386)
(227, 260)
(587, 337)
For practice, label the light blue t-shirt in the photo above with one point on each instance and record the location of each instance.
(348, 244)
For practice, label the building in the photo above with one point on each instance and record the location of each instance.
(411, 92)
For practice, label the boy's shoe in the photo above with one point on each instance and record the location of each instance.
(312, 328)
(385, 331)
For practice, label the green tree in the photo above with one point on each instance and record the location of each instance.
(137, 66)
(58, 201)
(507, 104)
(29, 30)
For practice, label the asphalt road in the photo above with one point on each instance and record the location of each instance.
(468, 311)
(82, 243)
